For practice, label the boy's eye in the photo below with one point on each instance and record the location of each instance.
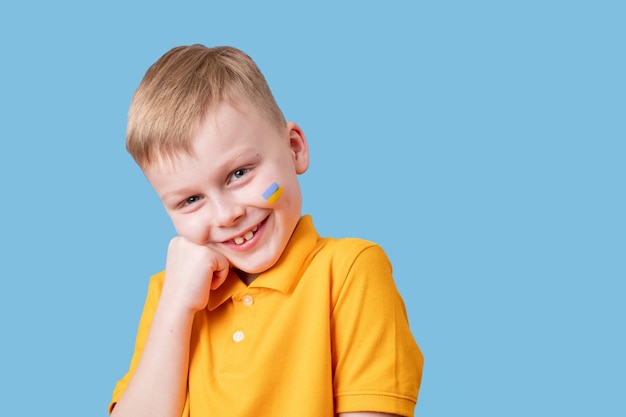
(191, 200)
(239, 173)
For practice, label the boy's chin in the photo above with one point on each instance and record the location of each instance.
(252, 265)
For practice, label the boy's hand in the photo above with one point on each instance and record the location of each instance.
(191, 272)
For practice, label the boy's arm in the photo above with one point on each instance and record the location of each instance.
(158, 386)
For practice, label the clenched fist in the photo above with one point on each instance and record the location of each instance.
(191, 272)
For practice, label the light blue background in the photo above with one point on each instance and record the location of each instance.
(481, 143)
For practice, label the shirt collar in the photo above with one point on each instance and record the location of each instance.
(284, 274)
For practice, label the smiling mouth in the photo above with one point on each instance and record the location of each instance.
(249, 235)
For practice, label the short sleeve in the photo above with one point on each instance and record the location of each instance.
(378, 364)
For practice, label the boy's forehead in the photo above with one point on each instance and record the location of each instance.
(232, 112)
(167, 163)
(225, 127)
(224, 111)
(234, 122)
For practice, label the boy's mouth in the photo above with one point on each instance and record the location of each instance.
(249, 235)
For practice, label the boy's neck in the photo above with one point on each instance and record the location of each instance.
(245, 277)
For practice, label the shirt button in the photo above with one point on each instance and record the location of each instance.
(247, 300)
(238, 336)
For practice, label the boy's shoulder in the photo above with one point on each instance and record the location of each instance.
(353, 266)
(347, 251)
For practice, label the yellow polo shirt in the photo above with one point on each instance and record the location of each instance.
(324, 331)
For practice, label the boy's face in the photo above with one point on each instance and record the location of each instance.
(215, 197)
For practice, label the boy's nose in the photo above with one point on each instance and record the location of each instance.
(227, 213)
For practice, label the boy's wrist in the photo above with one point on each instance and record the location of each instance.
(176, 307)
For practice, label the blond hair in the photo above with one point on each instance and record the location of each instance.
(178, 90)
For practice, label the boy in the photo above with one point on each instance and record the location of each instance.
(255, 314)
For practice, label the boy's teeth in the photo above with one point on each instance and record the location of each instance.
(239, 240)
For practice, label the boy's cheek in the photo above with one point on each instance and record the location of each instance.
(188, 230)
(273, 192)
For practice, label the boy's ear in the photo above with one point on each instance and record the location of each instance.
(299, 147)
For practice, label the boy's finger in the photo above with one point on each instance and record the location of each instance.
(220, 273)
